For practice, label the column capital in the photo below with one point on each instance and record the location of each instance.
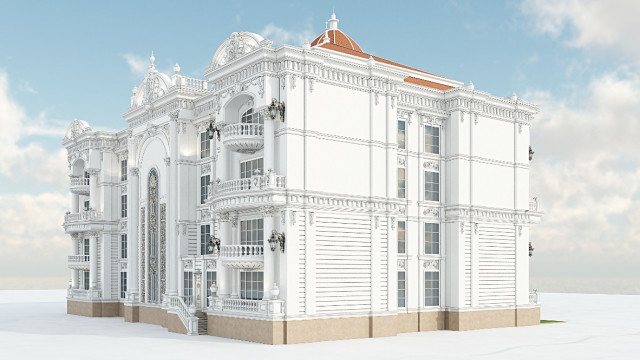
(269, 211)
(93, 172)
(94, 234)
(134, 171)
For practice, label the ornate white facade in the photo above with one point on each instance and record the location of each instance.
(400, 199)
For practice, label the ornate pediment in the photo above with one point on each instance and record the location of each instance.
(237, 45)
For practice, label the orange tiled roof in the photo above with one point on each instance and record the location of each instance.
(339, 38)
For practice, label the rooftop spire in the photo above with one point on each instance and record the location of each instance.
(333, 22)
(152, 59)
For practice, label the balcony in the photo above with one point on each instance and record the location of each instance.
(256, 182)
(533, 204)
(258, 190)
(242, 256)
(78, 262)
(79, 185)
(83, 221)
(243, 138)
(265, 308)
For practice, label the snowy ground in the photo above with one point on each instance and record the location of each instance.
(596, 327)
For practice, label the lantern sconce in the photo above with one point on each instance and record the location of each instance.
(531, 249)
(276, 238)
(531, 153)
(211, 131)
(214, 242)
(276, 107)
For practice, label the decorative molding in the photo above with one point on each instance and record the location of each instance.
(224, 217)
(432, 211)
(123, 265)
(520, 230)
(205, 215)
(311, 214)
(462, 228)
(393, 223)
(292, 80)
(167, 161)
(431, 165)
(431, 265)
(376, 220)
(312, 82)
(173, 115)
(475, 228)
(402, 160)
(234, 220)
(211, 264)
(134, 171)
(188, 264)
(377, 98)
(402, 264)
(206, 168)
(269, 211)
(283, 217)
(292, 217)
(123, 224)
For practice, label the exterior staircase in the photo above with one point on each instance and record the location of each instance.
(202, 322)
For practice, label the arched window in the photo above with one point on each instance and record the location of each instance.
(249, 117)
(152, 229)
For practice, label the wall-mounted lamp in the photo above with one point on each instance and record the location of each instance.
(275, 108)
(212, 131)
(530, 153)
(214, 242)
(530, 250)
(276, 238)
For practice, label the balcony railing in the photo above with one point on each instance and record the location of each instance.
(264, 307)
(533, 204)
(534, 298)
(243, 137)
(242, 256)
(79, 185)
(86, 215)
(80, 262)
(256, 182)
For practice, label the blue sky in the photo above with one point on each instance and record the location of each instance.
(577, 59)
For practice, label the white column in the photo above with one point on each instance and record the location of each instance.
(132, 231)
(93, 260)
(269, 256)
(75, 203)
(75, 251)
(269, 144)
(173, 203)
(223, 282)
(93, 189)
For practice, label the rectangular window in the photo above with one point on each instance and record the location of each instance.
(401, 134)
(401, 183)
(123, 246)
(205, 232)
(123, 206)
(431, 186)
(188, 287)
(204, 185)
(432, 139)
(85, 280)
(431, 238)
(248, 168)
(123, 284)
(251, 232)
(402, 292)
(250, 117)
(431, 288)
(211, 277)
(205, 145)
(123, 170)
(251, 285)
(401, 237)
(85, 247)
(86, 205)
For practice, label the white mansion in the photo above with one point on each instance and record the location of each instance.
(303, 194)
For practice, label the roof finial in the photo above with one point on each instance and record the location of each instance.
(333, 22)
(326, 38)
(152, 59)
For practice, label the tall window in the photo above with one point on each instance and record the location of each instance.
(188, 287)
(205, 146)
(86, 205)
(85, 280)
(401, 183)
(402, 292)
(431, 238)
(205, 232)
(251, 285)
(251, 232)
(123, 284)
(431, 288)
(123, 246)
(401, 134)
(401, 237)
(431, 186)
(123, 170)
(153, 283)
(123, 206)
(211, 277)
(432, 139)
(249, 117)
(204, 185)
(85, 247)
(248, 168)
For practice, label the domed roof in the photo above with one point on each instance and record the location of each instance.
(333, 35)
(77, 128)
(154, 85)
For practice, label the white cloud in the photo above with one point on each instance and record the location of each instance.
(22, 157)
(25, 86)
(601, 25)
(586, 172)
(284, 36)
(137, 65)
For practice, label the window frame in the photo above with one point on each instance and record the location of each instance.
(431, 244)
(402, 229)
(432, 145)
(255, 280)
(430, 185)
(205, 233)
(402, 184)
(432, 278)
(402, 292)
(402, 135)
(205, 181)
(123, 246)
(123, 206)
(123, 170)
(205, 146)
(123, 284)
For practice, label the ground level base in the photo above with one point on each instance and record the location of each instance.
(312, 330)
